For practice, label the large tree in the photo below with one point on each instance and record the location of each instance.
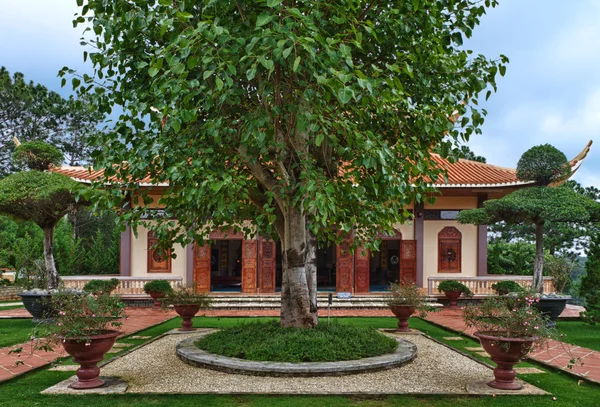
(40, 196)
(538, 204)
(563, 238)
(312, 119)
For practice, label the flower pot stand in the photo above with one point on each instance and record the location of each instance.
(506, 353)
(453, 297)
(187, 312)
(156, 296)
(88, 354)
(403, 313)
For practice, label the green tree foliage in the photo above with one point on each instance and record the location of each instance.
(37, 155)
(43, 198)
(90, 246)
(313, 119)
(543, 165)
(590, 283)
(560, 268)
(561, 238)
(31, 112)
(536, 205)
(515, 258)
(462, 151)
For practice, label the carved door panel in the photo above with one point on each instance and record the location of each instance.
(344, 268)
(362, 266)
(268, 266)
(158, 261)
(408, 260)
(449, 256)
(202, 267)
(249, 265)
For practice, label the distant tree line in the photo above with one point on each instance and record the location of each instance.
(30, 111)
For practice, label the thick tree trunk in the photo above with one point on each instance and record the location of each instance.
(49, 257)
(538, 270)
(297, 309)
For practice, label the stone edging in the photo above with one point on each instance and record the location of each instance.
(190, 354)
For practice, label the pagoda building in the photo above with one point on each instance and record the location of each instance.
(432, 244)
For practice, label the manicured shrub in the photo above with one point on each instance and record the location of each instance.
(158, 286)
(505, 287)
(543, 164)
(104, 286)
(453, 285)
(37, 155)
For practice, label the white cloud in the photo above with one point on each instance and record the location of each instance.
(587, 176)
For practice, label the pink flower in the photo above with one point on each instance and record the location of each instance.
(536, 327)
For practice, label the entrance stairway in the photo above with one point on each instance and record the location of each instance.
(273, 301)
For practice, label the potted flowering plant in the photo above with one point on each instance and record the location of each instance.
(453, 290)
(187, 301)
(86, 326)
(157, 289)
(404, 299)
(508, 328)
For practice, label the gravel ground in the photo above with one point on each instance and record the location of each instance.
(437, 369)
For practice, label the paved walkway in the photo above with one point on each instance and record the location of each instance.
(137, 320)
(556, 355)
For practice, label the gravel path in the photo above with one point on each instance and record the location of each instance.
(437, 369)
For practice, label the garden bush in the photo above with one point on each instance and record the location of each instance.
(158, 286)
(323, 343)
(101, 286)
(453, 285)
(505, 287)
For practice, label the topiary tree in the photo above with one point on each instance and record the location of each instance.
(590, 283)
(37, 155)
(41, 197)
(543, 165)
(537, 205)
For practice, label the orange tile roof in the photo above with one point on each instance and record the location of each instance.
(461, 174)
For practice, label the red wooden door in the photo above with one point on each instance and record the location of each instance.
(202, 267)
(449, 256)
(408, 260)
(362, 270)
(249, 265)
(267, 266)
(344, 268)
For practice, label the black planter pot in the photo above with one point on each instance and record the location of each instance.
(39, 306)
(552, 308)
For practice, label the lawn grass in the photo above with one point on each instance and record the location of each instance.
(578, 333)
(14, 331)
(9, 307)
(24, 391)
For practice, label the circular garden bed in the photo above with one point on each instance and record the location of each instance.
(268, 349)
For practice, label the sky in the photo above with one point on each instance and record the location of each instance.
(550, 94)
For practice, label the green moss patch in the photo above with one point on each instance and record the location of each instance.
(270, 342)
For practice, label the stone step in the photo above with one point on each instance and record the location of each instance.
(274, 302)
